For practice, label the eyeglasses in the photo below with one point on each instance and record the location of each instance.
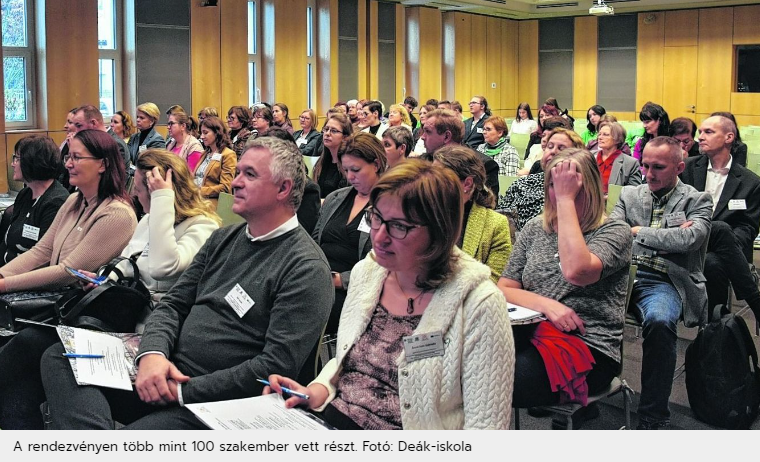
(684, 142)
(76, 159)
(169, 124)
(395, 229)
(475, 102)
(16, 159)
(332, 131)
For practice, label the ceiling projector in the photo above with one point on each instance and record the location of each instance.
(601, 9)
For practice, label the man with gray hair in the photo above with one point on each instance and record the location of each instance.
(254, 302)
(353, 114)
(670, 223)
(735, 191)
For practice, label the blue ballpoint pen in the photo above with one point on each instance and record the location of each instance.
(286, 390)
(76, 355)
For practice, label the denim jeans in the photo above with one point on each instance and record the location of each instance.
(659, 305)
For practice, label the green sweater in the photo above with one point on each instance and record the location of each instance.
(288, 279)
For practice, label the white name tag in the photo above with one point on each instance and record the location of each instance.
(363, 225)
(421, 346)
(31, 232)
(675, 219)
(146, 250)
(216, 156)
(239, 300)
(142, 148)
(199, 182)
(479, 130)
(737, 204)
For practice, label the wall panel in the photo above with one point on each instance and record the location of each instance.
(205, 59)
(430, 62)
(527, 63)
(509, 69)
(681, 28)
(650, 58)
(290, 55)
(747, 25)
(234, 54)
(715, 61)
(585, 63)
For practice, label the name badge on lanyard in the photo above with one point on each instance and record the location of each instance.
(239, 300)
(421, 346)
(31, 232)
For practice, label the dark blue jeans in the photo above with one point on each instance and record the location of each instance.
(659, 306)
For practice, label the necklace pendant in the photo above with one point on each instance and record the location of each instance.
(410, 306)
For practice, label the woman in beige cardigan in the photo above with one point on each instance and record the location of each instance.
(216, 167)
(416, 287)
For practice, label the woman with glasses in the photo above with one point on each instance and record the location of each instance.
(308, 138)
(339, 230)
(145, 121)
(238, 118)
(615, 167)
(416, 286)
(37, 163)
(122, 126)
(183, 143)
(328, 172)
(91, 228)
(261, 121)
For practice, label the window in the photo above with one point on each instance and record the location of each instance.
(18, 63)
(109, 62)
(386, 48)
(555, 60)
(748, 68)
(254, 69)
(616, 83)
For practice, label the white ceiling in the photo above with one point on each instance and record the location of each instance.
(533, 9)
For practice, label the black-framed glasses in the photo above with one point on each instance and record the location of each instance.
(15, 158)
(169, 124)
(76, 159)
(395, 229)
(332, 131)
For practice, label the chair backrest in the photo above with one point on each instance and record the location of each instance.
(224, 210)
(505, 182)
(310, 161)
(613, 194)
(520, 142)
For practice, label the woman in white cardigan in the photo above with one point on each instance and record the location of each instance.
(424, 340)
(176, 224)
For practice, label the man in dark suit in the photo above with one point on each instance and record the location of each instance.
(473, 127)
(736, 213)
(444, 127)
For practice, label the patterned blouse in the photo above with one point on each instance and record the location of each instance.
(368, 384)
(524, 199)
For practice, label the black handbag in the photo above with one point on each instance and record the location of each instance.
(39, 306)
(113, 306)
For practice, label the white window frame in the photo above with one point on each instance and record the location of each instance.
(254, 55)
(115, 55)
(28, 53)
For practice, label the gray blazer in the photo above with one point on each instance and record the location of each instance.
(329, 207)
(683, 249)
(626, 171)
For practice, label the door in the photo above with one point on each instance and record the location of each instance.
(679, 92)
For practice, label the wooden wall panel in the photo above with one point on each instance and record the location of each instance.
(205, 57)
(400, 54)
(430, 62)
(491, 65)
(508, 68)
(650, 59)
(480, 84)
(372, 60)
(234, 54)
(585, 60)
(69, 61)
(363, 52)
(681, 28)
(326, 62)
(715, 65)
(747, 25)
(527, 63)
(461, 68)
(290, 55)
(745, 103)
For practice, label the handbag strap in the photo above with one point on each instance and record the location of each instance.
(84, 301)
(111, 267)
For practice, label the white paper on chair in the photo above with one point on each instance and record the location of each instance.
(267, 412)
(521, 315)
(112, 370)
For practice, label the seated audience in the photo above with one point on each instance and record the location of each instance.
(281, 118)
(261, 121)
(36, 162)
(308, 139)
(485, 233)
(371, 122)
(88, 117)
(416, 281)
(207, 112)
(339, 231)
(616, 168)
(497, 148)
(238, 118)
(398, 143)
(656, 123)
(739, 149)
(91, 228)
(523, 123)
(533, 161)
(544, 113)
(328, 172)
(669, 251)
(735, 193)
(216, 167)
(525, 197)
(122, 125)
(146, 118)
(198, 346)
(571, 265)
(684, 130)
(398, 116)
(473, 127)
(183, 143)
(594, 117)
(419, 143)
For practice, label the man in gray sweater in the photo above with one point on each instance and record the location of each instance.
(254, 302)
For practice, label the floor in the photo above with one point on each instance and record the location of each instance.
(612, 415)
